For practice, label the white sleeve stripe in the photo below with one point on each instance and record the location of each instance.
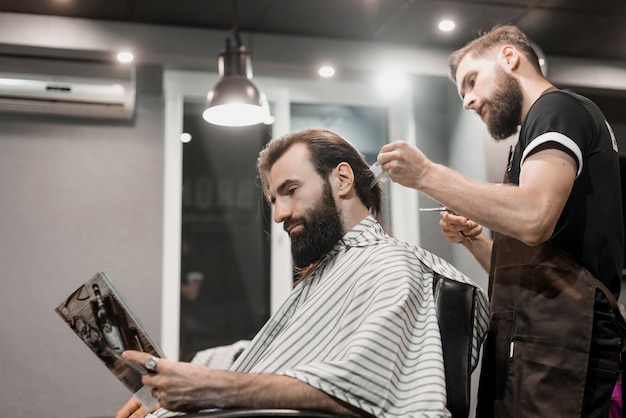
(559, 138)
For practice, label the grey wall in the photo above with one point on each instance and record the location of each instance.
(75, 197)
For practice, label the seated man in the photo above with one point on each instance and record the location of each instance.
(358, 334)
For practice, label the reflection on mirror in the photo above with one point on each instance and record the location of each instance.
(225, 244)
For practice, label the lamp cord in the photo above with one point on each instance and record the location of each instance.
(236, 25)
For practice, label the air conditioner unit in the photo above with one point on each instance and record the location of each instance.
(67, 88)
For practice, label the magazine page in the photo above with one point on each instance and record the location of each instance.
(100, 316)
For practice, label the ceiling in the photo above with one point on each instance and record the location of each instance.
(580, 28)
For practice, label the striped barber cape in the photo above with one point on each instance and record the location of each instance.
(362, 327)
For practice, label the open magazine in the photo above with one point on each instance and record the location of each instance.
(100, 316)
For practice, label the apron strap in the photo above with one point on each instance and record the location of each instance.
(621, 322)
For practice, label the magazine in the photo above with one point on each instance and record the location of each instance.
(103, 320)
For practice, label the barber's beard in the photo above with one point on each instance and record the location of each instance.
(320, 230)
(505, 108)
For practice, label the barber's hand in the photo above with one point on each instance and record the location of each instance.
(458, 229)
(178, 386)
(404, 163)
(134, 409)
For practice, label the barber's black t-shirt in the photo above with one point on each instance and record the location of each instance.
(590, 228)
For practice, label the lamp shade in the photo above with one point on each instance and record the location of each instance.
(235, 100)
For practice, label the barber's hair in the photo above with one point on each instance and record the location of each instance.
(326, 149)
(484, 45)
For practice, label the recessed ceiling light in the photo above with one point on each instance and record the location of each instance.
(447, 25)
(326, 71)
(185, 137)
(125, 56)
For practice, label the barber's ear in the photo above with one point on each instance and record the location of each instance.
(511, 57)
(345, 179)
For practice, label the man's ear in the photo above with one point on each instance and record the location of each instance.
(345, 179)
(510, 57)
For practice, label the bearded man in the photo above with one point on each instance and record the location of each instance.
(555, 262)
(358, 335)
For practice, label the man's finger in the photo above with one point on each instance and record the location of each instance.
(136, 356)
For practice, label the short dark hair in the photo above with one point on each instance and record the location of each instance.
(498, 36)
(327, 149)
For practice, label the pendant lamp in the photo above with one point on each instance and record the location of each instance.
(235, 100)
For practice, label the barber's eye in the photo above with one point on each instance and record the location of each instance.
(291, 190)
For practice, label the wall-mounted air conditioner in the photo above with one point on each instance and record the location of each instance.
(67, 88)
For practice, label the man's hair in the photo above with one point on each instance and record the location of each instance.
(326, 150)
(485, 44)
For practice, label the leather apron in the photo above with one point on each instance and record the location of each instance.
(537, 351)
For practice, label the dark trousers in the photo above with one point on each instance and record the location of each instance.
(604, 369)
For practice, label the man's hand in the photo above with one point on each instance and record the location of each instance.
(458, 229)
(179, 386)
(134, 409)
(404, 163)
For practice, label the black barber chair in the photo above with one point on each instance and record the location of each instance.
(455, 310)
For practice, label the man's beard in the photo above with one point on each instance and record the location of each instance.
(505, 108)
(320, 231)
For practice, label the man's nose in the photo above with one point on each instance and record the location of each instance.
(469, 101)
(282, 211)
